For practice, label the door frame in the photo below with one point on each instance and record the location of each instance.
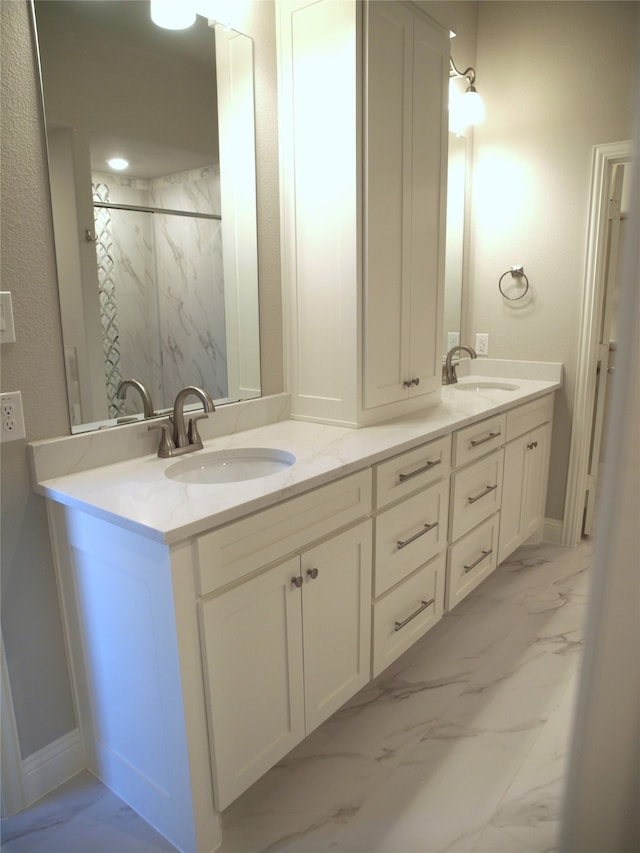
(605, 158)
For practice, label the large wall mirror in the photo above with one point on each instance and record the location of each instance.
(157, 261)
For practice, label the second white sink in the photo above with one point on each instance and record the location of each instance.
(229, 466)
(485, 386)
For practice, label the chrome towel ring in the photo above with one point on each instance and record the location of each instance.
(515, 272)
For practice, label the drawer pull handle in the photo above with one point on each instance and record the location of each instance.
(423, 606)
(313, 573)
(483, 494)
(478, 561)
(476, 441)
(427, 467)
(297, 581)
(400, 545)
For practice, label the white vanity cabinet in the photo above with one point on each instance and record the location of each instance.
(197, 665)
(526, 468)
(203, 651)
(282, 652)
(285, 625)
(410, 540)
(363, 133)
(476, 500)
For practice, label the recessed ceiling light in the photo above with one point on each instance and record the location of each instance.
(118, 163)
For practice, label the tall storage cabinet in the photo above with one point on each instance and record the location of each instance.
(363, 136)
(405, 145)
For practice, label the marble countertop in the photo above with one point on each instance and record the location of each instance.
(136, 495)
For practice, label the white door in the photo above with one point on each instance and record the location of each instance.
(252, 638)
(535, 482)
(406, 149)
(336, 616)
(612, 253)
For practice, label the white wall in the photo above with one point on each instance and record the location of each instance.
(556, 79)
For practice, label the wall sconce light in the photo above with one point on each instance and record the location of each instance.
(173, 14)
(466, 109)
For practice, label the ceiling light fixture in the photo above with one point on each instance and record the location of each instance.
(467, 109)
(118, 163)
(173, 14)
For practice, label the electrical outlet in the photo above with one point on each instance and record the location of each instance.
(482, 344)
(453, 340)
(11, 417)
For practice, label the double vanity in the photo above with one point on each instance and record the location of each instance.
(219, 607)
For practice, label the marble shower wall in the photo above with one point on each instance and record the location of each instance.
(169, 285)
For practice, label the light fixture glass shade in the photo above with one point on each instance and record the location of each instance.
(472, 107)
(465, 109)
(173, 14)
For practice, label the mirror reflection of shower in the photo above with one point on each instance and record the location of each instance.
(161, 284)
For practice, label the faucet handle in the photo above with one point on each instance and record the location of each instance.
(166, 446)
(192, 432)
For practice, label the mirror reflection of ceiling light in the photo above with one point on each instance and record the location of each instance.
(118, 163)
(467, 109)
(173, 14)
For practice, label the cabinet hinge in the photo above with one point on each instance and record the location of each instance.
(614, 208)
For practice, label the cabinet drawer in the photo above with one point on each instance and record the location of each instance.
(226, 554)
(531, 415)
(413, 470)
(476, 493)
(471, 560)
(407, 612)
(409, 534)
(476, 440)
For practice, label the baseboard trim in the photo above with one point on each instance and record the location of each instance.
(553, 531)
(52, 765)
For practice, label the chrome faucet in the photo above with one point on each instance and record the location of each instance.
(449, 376)
(147, 405)
(177, 438)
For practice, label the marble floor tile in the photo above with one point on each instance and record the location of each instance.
(460, 746)
(530, 808)
(80, 816)
(433, 801)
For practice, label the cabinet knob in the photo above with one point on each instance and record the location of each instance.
(313, 573)
(415, 381)
(532, 445)
(408, 383)
(296, 581)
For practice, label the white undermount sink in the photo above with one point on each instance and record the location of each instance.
(229, 466)
(473, 385)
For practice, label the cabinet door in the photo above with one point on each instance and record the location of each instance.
(429, 144)
(252, 638)
(513, 479)
(524, 488)
(336, 606)
(535, 488)
(388, 204)
(406, 152)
